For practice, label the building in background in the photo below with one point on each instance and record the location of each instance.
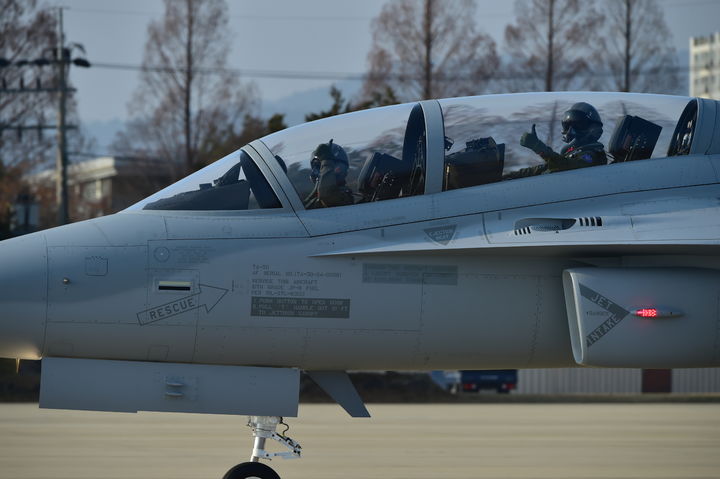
(104, 185)
(25, 214)
(705, 66)
(617, 381)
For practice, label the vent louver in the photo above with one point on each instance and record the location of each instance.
(590, 221)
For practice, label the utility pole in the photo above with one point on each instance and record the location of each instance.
(550, 68)
(61, 193)
(189, 74)
(628, 43)
(427, 67)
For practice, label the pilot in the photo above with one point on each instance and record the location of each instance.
(581, 130)
(329, 167)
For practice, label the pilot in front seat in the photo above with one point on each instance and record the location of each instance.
(329, 167)
(581, 130)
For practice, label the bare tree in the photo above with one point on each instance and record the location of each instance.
(185, 92)
(639, 55)
(552, 45)
(28, 39)
(340, 105)
(220, 142)
(429, 50)
(26, 33)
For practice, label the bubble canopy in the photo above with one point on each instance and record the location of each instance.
(397, 151)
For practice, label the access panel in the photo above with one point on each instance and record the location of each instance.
(99, 306)
(132, 386)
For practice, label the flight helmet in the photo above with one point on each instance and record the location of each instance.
(581, 123)
(338, 155)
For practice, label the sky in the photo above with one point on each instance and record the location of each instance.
(278, 36)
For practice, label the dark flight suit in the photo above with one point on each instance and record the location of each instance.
(570, 158)
(327, 192)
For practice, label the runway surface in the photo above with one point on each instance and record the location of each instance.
(579, 441)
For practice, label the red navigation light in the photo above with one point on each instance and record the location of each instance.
(656, 313)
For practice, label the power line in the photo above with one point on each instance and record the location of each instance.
(240, 17)
(287, 74)
(691, 3)
(328, 75)
(115, 12)
(301, 18)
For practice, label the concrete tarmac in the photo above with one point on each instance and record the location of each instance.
(530, 441)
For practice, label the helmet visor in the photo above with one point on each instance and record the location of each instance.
(575, 119)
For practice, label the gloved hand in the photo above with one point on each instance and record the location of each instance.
(323, 151)
(322, 156)
(531, 140)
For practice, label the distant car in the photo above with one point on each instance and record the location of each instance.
(501, 380)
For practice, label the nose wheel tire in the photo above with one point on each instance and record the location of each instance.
(251, 469)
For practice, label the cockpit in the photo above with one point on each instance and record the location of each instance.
(433, 146)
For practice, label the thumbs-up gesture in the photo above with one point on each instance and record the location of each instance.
(531, 140)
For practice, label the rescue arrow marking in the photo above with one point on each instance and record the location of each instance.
(617, 314)
(208, 296)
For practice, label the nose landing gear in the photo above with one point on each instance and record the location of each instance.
(263, 428)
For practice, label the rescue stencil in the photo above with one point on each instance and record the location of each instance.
(208, 296)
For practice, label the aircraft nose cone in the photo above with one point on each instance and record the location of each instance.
(23, 296)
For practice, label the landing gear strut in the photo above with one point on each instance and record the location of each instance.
(263, 428)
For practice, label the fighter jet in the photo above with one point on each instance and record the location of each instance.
(490, 232)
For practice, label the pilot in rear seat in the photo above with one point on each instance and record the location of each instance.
(581, 130)
(329, 167)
